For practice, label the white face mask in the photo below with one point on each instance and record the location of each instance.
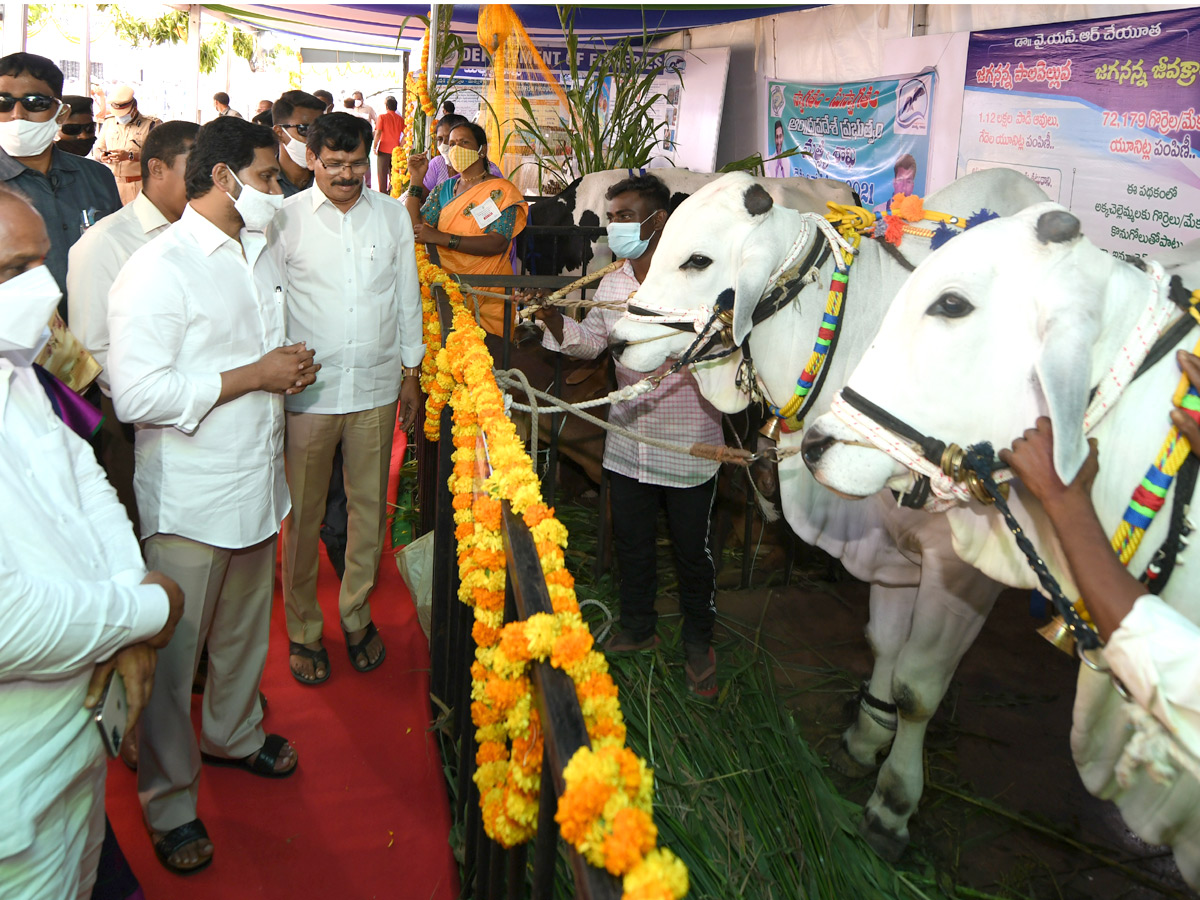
(23, 138)
(256, 208)
(125, 119)
(297, 150)
(26, 304)
(357, 102)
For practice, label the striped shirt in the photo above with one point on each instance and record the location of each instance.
(674, 411)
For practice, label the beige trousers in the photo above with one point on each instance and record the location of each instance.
(366, 439)
(62, 860)
(227, 602)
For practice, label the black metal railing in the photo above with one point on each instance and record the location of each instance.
(489, 870)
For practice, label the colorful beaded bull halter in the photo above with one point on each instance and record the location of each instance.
(852, 222)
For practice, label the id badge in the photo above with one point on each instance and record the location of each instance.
(486, 213)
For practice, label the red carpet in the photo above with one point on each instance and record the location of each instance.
(366, 814)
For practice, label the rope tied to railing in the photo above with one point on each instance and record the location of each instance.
(510, 378)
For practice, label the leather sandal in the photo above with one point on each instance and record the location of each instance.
(260, 763)
(360, 649)
(624, 642)
(317, 657)
(175, 840)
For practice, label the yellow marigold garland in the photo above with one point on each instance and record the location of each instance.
(605, 810)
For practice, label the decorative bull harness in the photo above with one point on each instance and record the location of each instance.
(953, 474)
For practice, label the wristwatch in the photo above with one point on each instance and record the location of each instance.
(411, 371)
(455, 240)
(414, 190)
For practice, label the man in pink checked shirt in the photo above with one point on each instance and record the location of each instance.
(644, 477)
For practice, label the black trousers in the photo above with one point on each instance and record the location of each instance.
(635, 523)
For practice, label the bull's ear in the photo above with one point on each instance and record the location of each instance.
(1064, 370)
(758, 262)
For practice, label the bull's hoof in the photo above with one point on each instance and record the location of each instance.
(887, 844)
(843, 763)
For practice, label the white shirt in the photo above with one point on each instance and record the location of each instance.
(70, 596)
(186, 308)
(92, 267)
(352, 297)
(1155, 651)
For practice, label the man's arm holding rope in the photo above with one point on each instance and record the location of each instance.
(1110, 589)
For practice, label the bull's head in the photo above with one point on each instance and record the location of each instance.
(999, 326)
(716, 254)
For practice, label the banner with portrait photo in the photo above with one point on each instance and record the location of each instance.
(1100, 113)
(874, 135)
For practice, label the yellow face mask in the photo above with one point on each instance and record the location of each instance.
(461, 158)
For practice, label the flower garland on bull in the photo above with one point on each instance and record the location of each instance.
(605, 810)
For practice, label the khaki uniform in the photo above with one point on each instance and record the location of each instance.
(132, 137)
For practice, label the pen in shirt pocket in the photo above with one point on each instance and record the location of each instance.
(372, 257)
(282, 312)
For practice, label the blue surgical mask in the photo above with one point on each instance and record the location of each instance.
(625, 238)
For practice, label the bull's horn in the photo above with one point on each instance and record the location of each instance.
(757, 200)
(1057, 227)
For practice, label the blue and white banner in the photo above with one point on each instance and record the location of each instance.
(1102, 114)
(873, 135)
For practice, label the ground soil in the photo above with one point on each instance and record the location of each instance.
(1000, 736)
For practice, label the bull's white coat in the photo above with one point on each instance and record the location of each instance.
(927, 606)
(1048, 321)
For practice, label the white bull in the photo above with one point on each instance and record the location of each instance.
(1019, 318)
(926, 605)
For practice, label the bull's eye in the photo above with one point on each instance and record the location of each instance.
(697, 261)
(950, 306)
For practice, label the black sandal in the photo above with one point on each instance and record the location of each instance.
(316, 657)
(175, 840)
(260, 763)
(355, 650)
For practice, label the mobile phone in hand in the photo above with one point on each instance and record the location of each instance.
(112, 713)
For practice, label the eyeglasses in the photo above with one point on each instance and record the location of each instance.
(34, 103)
(301, 129)
(358, 167)
(74, 128)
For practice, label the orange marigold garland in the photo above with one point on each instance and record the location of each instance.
(605, 809)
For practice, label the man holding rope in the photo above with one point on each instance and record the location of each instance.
(643, 477)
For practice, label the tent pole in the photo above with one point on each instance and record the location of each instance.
(87, 50)
(16, 18)
(194, 52)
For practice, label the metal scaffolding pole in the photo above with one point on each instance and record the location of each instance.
(194, 53)
(15, 22)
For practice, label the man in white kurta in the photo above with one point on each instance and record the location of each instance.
(96, 259)
(353, 297)
(198, 362)
(73, 592)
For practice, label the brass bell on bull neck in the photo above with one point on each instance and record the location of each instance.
(1057, 633)
(772, 429)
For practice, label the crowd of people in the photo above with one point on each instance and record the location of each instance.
(255, 311)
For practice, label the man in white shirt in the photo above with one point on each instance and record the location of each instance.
(353, 297)
(75, 592)
(199, 362)
(92, 267)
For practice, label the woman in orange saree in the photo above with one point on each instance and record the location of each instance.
(473, 218)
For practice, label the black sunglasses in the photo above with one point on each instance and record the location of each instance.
(301, 129)
(74, 128)
(33, 103)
